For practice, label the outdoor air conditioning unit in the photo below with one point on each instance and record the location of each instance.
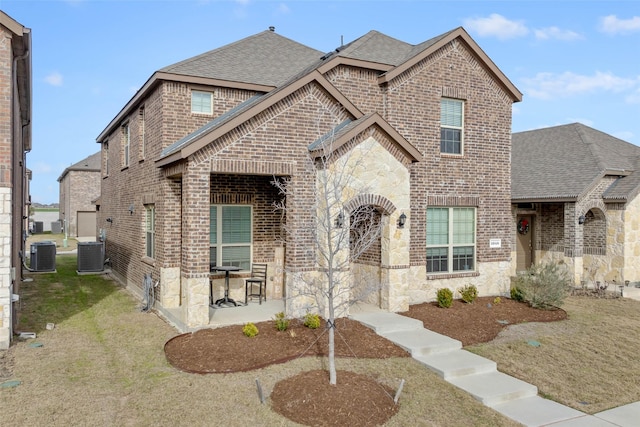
(90, 257)
(43, 256)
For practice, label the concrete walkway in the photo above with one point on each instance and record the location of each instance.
(479, 376)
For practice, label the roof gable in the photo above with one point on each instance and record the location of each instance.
(349, 129)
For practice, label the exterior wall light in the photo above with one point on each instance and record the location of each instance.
(340, 220)
(402, 220)
(581, 219)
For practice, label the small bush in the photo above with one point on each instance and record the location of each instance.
(516, 294)
(543, 286)
(250, 330)
(445, 297)
(469, 293)
(311, 321)
(497, 300)
(282, 323)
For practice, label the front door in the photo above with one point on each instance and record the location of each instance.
(524, 243)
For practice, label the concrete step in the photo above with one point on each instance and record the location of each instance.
(384, 322)
(457, 363)
(494, 388)
(536, 411)
(422, 342)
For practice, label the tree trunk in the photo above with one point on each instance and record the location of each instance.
(332, 358)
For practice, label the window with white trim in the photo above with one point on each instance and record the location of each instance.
(451, 239)
(141, 128)
(230, 235)
(150, 230)
(451, 126)
(126, 142)
(201, 102)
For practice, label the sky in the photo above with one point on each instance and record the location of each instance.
(574, 61)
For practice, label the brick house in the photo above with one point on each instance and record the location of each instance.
(577, 190)
(195, 152)
(79, 189)
(15, 142)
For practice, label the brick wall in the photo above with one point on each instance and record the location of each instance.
(411, 104)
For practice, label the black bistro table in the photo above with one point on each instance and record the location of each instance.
(225, 299)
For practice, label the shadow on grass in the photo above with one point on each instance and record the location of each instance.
(54, 297)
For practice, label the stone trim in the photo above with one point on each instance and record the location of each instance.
(395, 267)
(452, 275)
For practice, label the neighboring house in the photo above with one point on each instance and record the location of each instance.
(193, 154)
(15, 142)
(575, 198)
(79, 189)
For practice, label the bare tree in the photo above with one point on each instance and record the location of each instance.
(339, 235)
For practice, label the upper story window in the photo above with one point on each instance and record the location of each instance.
(230, 237)
(451, 126)
(141, 129)
(126, 144)
(451, 239)
(105, 156)
(201, 102)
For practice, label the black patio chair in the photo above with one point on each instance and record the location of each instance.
(258, 278)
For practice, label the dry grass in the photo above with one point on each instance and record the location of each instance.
(588, 362)
(104, 365)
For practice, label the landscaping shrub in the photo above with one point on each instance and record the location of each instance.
(516, 294)
(469, 293)
(311, 321)
(282, 323)
(250, 330)
(543, 285)
(445, 297)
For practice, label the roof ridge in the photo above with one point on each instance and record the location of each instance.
(218, 49)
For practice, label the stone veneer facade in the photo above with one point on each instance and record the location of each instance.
(239, 166)
(605, 248)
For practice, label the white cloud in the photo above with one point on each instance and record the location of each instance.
(496, 26)
(613, 25)
(624, 135)
(54, 79)
(556, 33)
(283, 9)
(551, 85)
(634, 97)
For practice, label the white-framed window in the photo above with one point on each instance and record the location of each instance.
(126, 144)
(141, 128)
(230, 235)
(451, 239)
(150, 230)
(451, 126)
(201, 102)
(106, 158)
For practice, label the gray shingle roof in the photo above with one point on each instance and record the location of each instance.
(266, 58)
(562, 162)
(380, 48)
(88, 164)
